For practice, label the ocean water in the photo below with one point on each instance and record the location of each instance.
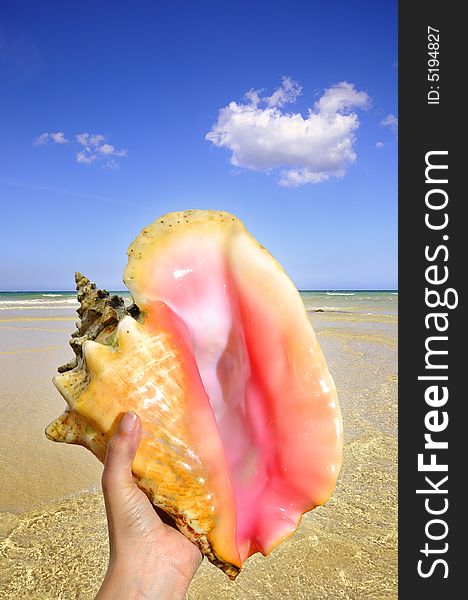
(365, 302)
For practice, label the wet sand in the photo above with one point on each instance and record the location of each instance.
(53, 534)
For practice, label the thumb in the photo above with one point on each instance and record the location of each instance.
(129, 512)
(117, 476)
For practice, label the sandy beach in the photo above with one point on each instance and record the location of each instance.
(53, 534)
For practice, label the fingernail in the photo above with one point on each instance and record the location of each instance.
(128, 422)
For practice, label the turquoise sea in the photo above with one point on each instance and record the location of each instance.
(369, 302)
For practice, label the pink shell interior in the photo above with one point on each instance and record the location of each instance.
(268, 385)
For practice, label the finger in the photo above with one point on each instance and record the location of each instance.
(117, 475)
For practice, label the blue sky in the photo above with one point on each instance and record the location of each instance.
(146, 81)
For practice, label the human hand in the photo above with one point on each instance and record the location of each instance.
(148, 557)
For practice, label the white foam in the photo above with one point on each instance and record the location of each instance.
(39, 303)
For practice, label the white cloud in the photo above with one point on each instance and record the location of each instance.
(379, 145)
(41, 139)
(111, 164)
(288, 92)
(84, 158)
(108, 149)
(390, 121)
(85, 139)
(253, 96)
(57, 138)
(341, 97)
(307, 149)
(96, 148)
(92, 148)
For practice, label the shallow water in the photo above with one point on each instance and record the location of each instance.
(370, 302)
(53, 535)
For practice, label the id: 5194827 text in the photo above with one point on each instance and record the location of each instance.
(433, 74)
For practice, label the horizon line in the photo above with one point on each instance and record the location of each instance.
(128, 291)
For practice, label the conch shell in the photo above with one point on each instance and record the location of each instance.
(242, 430)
